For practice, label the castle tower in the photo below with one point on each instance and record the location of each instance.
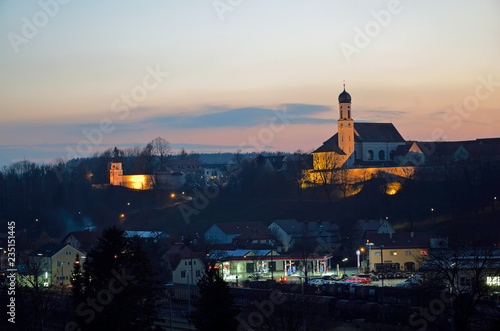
(346, 127)
(115, 172)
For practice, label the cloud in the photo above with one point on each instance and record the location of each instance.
(384, 115)
(242, 117)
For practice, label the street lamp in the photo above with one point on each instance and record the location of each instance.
(344, 261)
(369, 244)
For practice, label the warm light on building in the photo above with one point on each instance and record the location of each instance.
(393, 188)
(137, 182)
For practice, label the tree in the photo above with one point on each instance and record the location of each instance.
(326, 170)
(462, 270)
(214, 309)
(117, 281)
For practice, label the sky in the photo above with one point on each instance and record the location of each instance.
(78, 77)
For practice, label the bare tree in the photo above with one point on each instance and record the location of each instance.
(326, 172)
(160, 149)
(463, 271)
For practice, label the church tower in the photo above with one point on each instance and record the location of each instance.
(346, 127)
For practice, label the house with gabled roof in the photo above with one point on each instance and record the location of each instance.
(81, 240)
(288, 231)
(393, 252)
(226, 232)
(55, 263)
(183, 265)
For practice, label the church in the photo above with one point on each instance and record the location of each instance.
(358, 144)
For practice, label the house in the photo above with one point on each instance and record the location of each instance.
(54, 263)
(81, 240)
(226, 232)
(364, 227)
(393, 252)
(288, 231)
(183, 265)
(257, 240)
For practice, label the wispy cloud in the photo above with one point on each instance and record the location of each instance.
(379, 115)
(242, 117)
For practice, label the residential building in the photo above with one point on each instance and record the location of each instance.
(392, 252)
(54, 263)
(183, 265)
(289, 231)
(226, 232)
(81, 240)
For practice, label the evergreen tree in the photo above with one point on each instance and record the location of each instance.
(117, 289)
(214, 309)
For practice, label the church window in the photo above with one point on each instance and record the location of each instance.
(349, 113)
(391, 155)
(381, 155)
(349, 138)
(342, 137)
(369, 155)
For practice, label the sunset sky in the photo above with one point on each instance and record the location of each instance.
(225, 69)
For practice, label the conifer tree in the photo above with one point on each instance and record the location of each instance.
(214, 309)
(117, 289)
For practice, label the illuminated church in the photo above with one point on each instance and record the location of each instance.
(357, 144)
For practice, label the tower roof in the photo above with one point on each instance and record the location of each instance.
(344, 97)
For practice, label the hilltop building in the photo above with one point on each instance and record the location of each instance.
(357, 144)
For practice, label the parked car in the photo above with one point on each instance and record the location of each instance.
(399, 275)
(316, 281)
(390, 275)
(408, 274)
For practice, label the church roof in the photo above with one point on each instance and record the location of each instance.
(364, 132)
(331, 145)
(376, 132)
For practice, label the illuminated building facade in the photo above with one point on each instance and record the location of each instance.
(357, 144)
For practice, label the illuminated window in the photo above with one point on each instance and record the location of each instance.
(394, 253)
(408, 253)
(493, 281)
(377, 253)
(423, 252)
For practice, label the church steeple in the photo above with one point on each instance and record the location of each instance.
(346, 126)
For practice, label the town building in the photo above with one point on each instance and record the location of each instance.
(357, 144)
(326, 234)
(224, 233)
(394, 252)
(183, 265)
(54, 263)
